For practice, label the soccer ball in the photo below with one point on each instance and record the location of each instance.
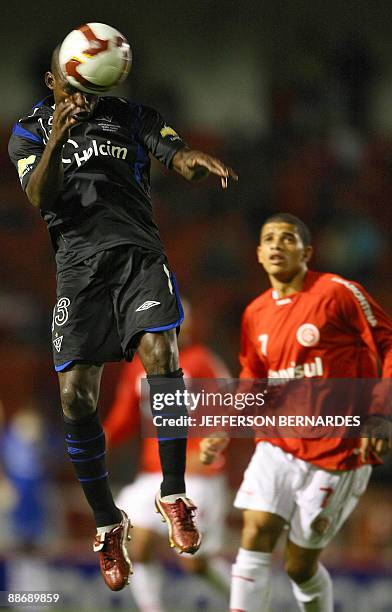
(95, 57)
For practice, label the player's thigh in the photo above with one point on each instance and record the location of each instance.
(145, 296)
(324, 503)
(83, 326)
(269, 482)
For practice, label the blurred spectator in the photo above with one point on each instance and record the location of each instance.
(25, 455)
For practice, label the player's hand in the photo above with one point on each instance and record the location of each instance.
(380, 446)
(195, 165)
(63, 120)
(85, 104)
(378, 439)
(210, 448)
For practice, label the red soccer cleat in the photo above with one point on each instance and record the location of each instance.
(114, 561)
(183, 533)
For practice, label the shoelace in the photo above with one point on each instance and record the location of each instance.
(184, 515)
(108, 560)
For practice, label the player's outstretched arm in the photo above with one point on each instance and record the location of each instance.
(47, 179)
(195, 165)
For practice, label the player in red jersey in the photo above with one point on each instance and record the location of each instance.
(309, 324)
(204, 482)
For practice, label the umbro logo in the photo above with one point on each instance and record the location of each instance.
(147, 305)
(73, 450)
(57, 343)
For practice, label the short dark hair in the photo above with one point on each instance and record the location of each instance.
(55, 64)
(300, 226)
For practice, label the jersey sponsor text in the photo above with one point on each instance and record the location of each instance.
(309, 369)
(95, 149)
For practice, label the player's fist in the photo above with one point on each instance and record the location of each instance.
(210, 448)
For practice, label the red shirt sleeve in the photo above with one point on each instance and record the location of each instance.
(362, 313)
(251, 364)
(123, 419)
(374, 327)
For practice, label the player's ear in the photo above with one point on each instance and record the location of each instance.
(308, 252)
(259, 255)
(49, 79)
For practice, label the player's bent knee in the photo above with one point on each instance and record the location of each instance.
(77, 402)
(196, 565)
(143, 545)
(261, 530)
(256, 537)
(161, 356)
(159, 352)
(142, 554)
(300, 570)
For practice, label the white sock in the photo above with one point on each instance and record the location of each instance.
(147, 586)
(106, 528)
(171, 499)
(250, 582)
(315, 595)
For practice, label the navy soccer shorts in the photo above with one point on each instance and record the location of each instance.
(106, 301)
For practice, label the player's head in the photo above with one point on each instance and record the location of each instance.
(62, 90)
(285, 246)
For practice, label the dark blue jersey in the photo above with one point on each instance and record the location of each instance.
(105, 199)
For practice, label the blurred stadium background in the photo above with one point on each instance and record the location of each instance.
(297, 97)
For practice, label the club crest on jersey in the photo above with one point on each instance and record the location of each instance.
(106, 123)
(57, 343)
(308, 334)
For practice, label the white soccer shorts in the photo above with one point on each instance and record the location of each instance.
(314, 502)
(208, 493)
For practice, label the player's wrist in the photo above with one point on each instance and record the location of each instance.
(55, 144)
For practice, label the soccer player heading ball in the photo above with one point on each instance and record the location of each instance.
(308, 485)
(84, 161)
